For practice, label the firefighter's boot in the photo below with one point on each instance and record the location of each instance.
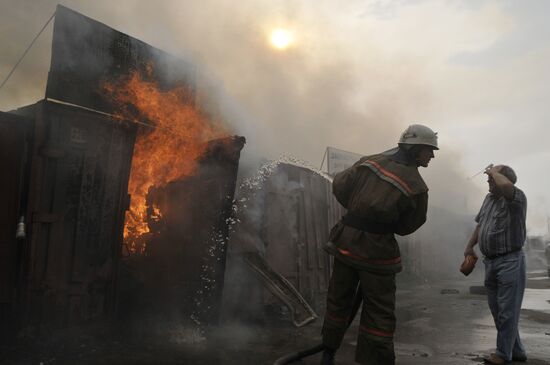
(328, 357)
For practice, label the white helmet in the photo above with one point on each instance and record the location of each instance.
(419, 134)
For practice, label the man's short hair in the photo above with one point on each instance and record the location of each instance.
(509, 173)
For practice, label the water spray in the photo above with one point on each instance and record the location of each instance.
(490, 166)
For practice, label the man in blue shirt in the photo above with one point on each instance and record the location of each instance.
(500, 232)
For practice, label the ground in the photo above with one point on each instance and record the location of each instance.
(439, 322)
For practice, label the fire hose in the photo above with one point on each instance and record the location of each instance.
(295, 356)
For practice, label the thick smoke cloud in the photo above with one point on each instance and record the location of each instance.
(357, 75)
(295, 102)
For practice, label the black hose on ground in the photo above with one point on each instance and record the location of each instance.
(295, 356)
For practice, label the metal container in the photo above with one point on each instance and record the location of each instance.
(287, 219)
(297, 222)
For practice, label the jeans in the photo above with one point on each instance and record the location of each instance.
(505, 284)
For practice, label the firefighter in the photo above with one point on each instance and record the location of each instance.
(384, 195)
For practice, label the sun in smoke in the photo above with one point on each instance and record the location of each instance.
(281, 38)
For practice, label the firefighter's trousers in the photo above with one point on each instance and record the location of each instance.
(375, 339)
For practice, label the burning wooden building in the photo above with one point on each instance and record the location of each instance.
(116, 171)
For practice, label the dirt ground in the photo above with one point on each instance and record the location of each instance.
(438, 323)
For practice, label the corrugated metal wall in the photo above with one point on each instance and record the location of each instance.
(299, 212)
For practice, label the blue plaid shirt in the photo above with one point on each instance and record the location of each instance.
(502, 224)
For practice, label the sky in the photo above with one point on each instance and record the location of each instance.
(356, 75)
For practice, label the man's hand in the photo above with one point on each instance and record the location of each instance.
(502, 185)
(490, 170)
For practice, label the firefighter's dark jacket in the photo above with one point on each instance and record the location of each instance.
(383, 194)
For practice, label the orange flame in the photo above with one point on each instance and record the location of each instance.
(169, 151)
